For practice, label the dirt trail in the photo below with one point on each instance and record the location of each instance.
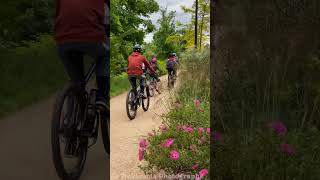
(126, 133)
(25, 150)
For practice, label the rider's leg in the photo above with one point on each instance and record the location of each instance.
(133, 82)
(73, 63)
(99, 52)
(142, 86)
(103, 78)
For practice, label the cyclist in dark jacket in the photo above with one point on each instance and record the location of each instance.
(171, 65)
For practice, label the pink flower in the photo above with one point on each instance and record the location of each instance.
(167, 143)
(197, 102)
(141, 153)
(208, 130)
(198, 177)
(216, 136)
(200, 130)
(202, 139)
(278, 127)
(203, 172)
(199, 109)
(174, 155)
(287, 148)
(188, 129)
(163, 127)
(143, 143)
(195, 166)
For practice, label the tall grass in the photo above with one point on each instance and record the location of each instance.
(29, 73)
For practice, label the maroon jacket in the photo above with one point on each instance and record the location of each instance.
(79, 21)
(135, 61)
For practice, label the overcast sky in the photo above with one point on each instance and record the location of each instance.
(173, 5)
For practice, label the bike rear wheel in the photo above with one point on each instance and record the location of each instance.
(131, 105)
(105, 129)
(152, 88)
(65, 122)
(146, 102)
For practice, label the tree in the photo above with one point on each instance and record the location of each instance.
(23, 20)
(167, 28)
(129, 24)
(203, 23)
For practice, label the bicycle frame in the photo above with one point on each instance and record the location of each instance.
(90, 72)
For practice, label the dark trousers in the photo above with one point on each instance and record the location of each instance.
(133, 81)
(72, 55)
(171, 70)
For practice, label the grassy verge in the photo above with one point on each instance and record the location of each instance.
(119, 84)
(181, 145)
(29, 73)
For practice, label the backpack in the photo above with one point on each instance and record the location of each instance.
(171, 64)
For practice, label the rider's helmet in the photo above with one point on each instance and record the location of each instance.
(137, 48)
(174, 54)
(171, 55)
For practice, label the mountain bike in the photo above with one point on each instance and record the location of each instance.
(134, 101)
(74, 129)
(154, 85)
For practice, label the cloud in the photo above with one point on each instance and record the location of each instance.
(172, 5)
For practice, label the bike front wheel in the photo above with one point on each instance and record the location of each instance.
(131, 105)
(68, 149)
(146, 102)
(105, 129)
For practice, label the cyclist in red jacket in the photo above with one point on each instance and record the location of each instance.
(135, 71)
(80, 30)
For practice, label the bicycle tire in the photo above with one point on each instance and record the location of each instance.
(152, 88)
(55, 139)
(131, 117)
(104, 124)
(145, 107)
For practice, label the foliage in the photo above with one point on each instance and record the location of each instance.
(182, 124)
(23, 20)
(203, 24)
(119, 83)
(264, 155)
(266, 68)
(129, 24)
(29, 73)
(167, 28)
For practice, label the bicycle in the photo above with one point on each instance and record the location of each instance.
(75, 124)
(154, 85)
(133, 102)
(171, 80)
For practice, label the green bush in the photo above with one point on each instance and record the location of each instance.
(119, 84)
(189, 112)
(29, 73)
